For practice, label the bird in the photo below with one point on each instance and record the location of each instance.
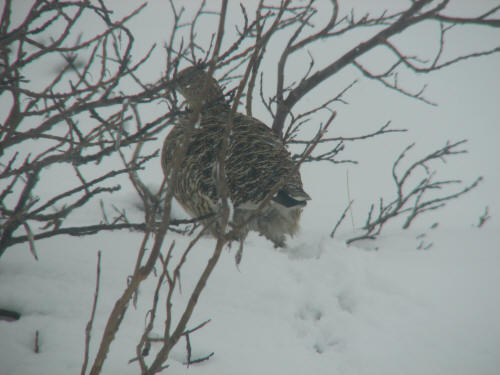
(256, 160)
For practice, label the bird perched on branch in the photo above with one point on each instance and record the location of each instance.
(256, 164)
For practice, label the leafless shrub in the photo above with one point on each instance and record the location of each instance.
(411, 195)
(77, 119)
(85, 116)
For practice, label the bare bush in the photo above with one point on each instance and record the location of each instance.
(77, 118)
(91, 111)
(410, 194)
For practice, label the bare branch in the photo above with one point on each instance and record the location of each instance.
(484, 218)
(404, 21)
(342, 217)
(88, 328)
(409, 200)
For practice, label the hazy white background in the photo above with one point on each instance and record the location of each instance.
(319, 307)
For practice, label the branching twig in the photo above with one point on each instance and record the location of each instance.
(410, 198)
(484, 218)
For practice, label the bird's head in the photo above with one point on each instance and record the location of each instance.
(197, 86)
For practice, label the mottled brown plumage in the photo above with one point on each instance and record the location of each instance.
(255, 162)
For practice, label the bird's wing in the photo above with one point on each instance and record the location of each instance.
(258, 161)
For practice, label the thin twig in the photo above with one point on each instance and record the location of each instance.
(37, 342)
(342, 217)
(410, 199)
(88, 328)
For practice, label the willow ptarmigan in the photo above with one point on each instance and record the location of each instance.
(256, 160)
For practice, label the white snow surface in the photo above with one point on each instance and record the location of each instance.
(318, 306)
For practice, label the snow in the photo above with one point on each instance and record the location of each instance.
(318, 306)
(322, 308)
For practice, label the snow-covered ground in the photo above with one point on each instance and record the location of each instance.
(319, 306)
